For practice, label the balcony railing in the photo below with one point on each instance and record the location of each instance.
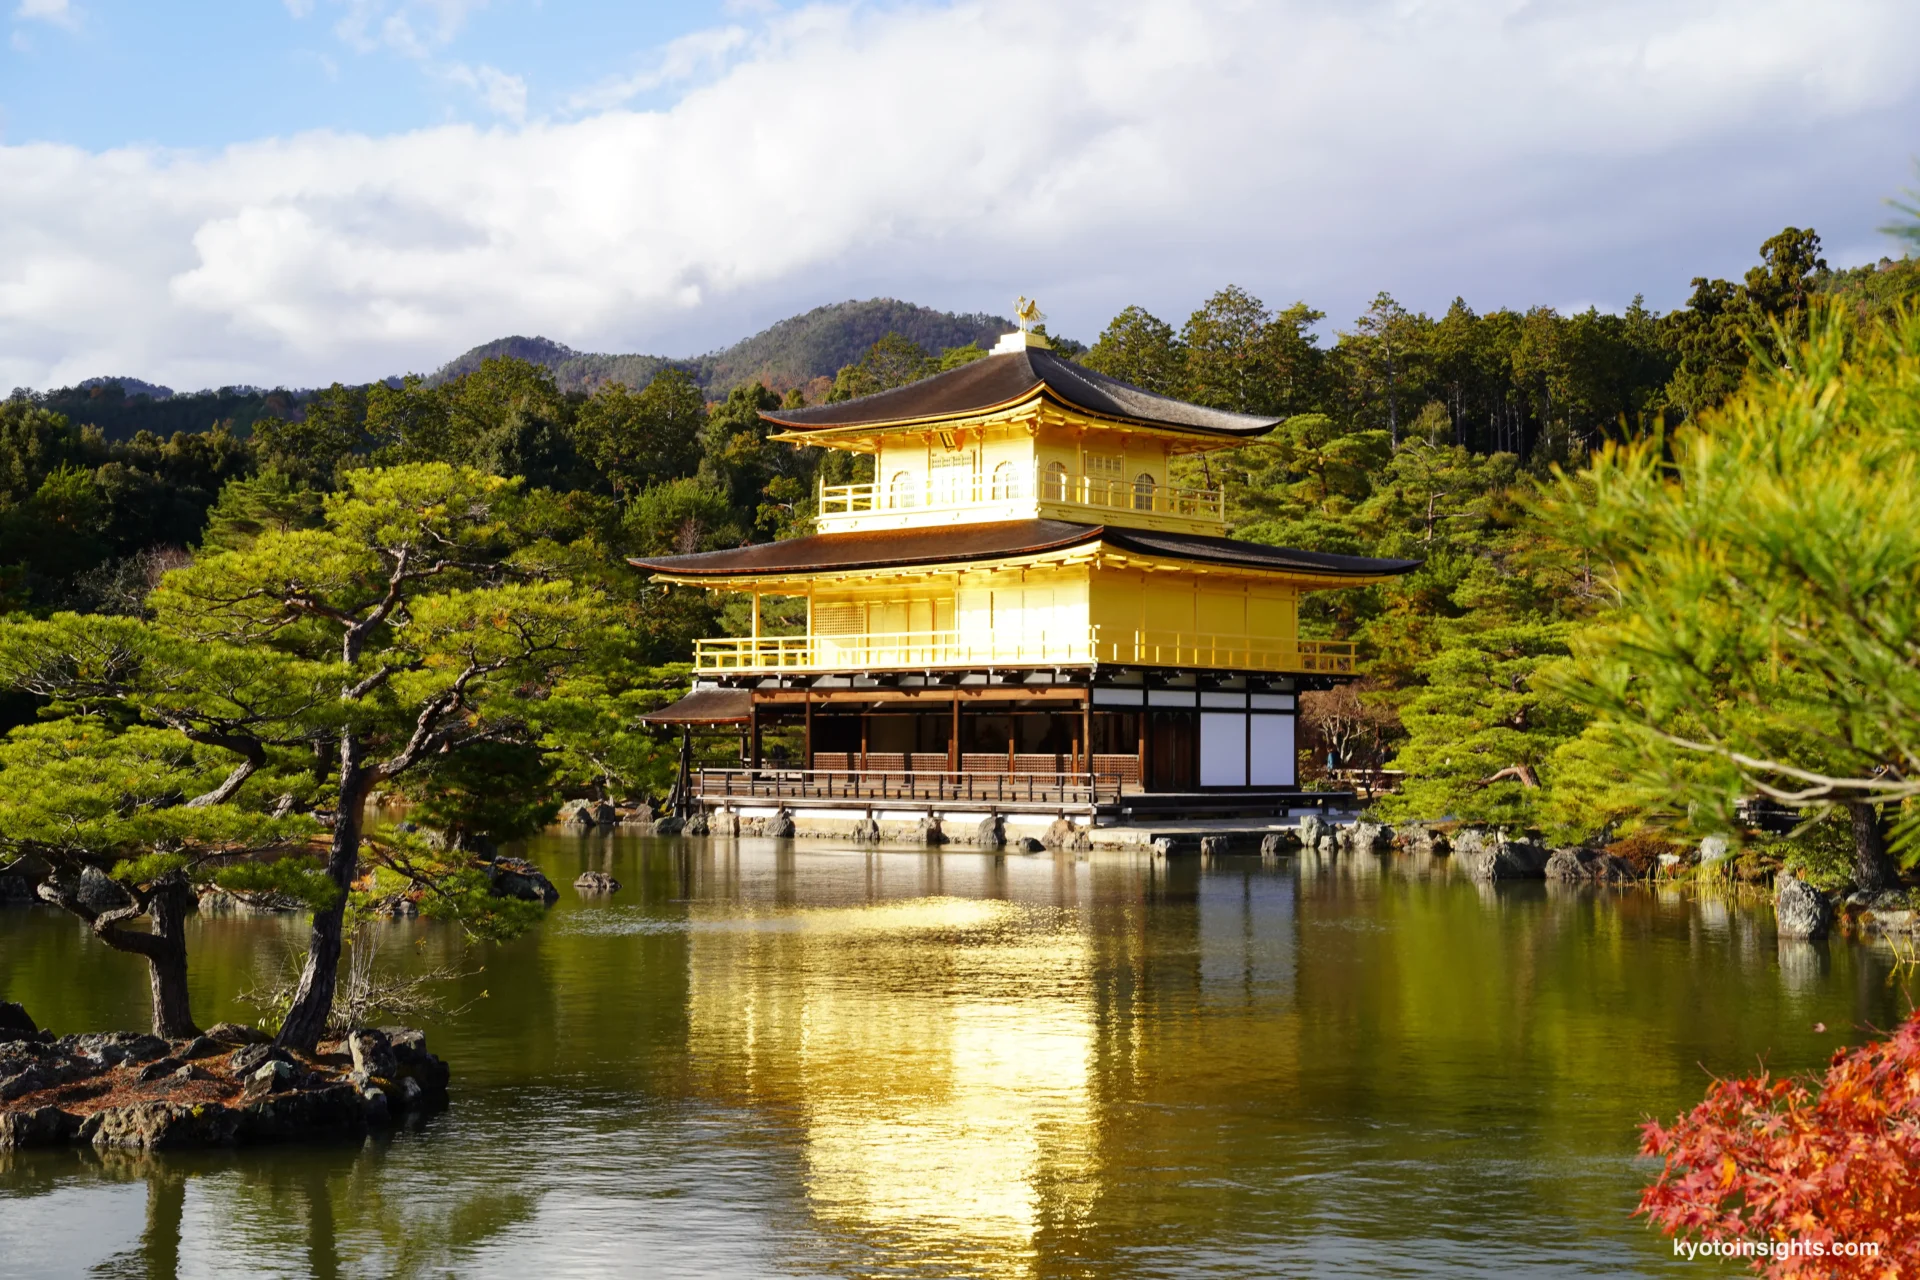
(926, 649)
(1024, 486)
(922, 785)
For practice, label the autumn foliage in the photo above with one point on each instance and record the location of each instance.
(1771, 1160)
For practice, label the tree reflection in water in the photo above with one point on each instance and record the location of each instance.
(259, 1207)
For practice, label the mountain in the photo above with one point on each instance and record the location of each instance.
(816, 345)
(791, 353)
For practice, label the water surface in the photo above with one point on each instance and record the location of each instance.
(762, 1058)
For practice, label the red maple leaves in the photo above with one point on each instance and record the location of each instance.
(1768, 1160)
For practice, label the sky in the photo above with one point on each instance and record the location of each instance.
(290, 192)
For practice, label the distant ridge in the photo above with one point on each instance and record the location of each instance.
(795, 352)
(129, 387)
(789, 354)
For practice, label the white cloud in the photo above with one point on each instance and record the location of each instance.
(61, 13)
(503, 94)
(696, 54)
(411, 27)
(1092, 153)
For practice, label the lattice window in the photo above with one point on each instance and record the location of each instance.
(901, 491)
(837, 618)
(952, 479)
(1106, 478)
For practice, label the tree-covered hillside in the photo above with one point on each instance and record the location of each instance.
(796, 352)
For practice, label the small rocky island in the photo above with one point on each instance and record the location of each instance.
(227, 1087)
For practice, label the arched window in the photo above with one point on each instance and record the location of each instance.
(1054, 485)
(900, 490)
(1143, 492)
(1003, 481)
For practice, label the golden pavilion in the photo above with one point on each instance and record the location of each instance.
(1021, 613)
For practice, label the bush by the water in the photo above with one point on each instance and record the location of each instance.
(1835, 1160)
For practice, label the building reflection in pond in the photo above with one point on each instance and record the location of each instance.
(934, 1054)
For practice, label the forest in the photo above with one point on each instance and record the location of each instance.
(1457, 440)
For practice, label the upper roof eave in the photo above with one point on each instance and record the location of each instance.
(998, 383)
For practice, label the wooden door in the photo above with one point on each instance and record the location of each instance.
(1172, 745)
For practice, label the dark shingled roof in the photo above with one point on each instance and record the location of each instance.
(1002, 381)
(706, 706)
(997, 540)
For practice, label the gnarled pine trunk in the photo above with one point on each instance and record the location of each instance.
(306, 1021)
(164, 949)
(1873, 870)
(167, 962)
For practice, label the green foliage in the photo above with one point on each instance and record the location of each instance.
(892, 361)
(1140, 348)
(593, 722)
(1484, 729)
(1766, 565)
(638, 439)
(80, 792)
(271, 502)
(491, 791)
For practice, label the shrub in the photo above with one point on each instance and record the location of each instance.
(1772, 1161)
(1642, 850)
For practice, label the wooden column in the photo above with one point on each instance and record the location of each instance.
(1086, 730)
(863, 739)
(1146, 735)
(806, 733)
(953, 743)
(753, 734)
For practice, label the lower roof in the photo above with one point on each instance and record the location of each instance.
(999, 540)
(706, 706)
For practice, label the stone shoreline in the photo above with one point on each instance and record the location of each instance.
(228, 1087)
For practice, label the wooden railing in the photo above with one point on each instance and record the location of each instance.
(1025, 485)
(966, 787)
(1070, 647)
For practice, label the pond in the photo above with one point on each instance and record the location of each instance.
(761, 1058)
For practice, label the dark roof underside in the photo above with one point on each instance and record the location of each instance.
(999, 381)
(998, 540)
(706, 706)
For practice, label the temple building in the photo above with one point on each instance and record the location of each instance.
(1021, 613)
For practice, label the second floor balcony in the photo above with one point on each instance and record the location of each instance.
(1092, 646)
(1019, 492)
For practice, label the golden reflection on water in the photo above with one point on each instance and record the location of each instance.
(936, 1055)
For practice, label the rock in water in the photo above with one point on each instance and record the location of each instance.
(668, 826)
(518, 878)
(1369, 838)
(1567, 866)
(1713, 849)
(1801, 910)
(1275, 843)
(596, 882)
(1489, 855)
(15, 1024)
(156, 1126)
(1027, 844)
(40, 1127)
(990, 834)
(697, 825)
(927, 831)
(780, 826)
(866, 831)
(1311, 829)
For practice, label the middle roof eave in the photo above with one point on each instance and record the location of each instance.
(1000, 540)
